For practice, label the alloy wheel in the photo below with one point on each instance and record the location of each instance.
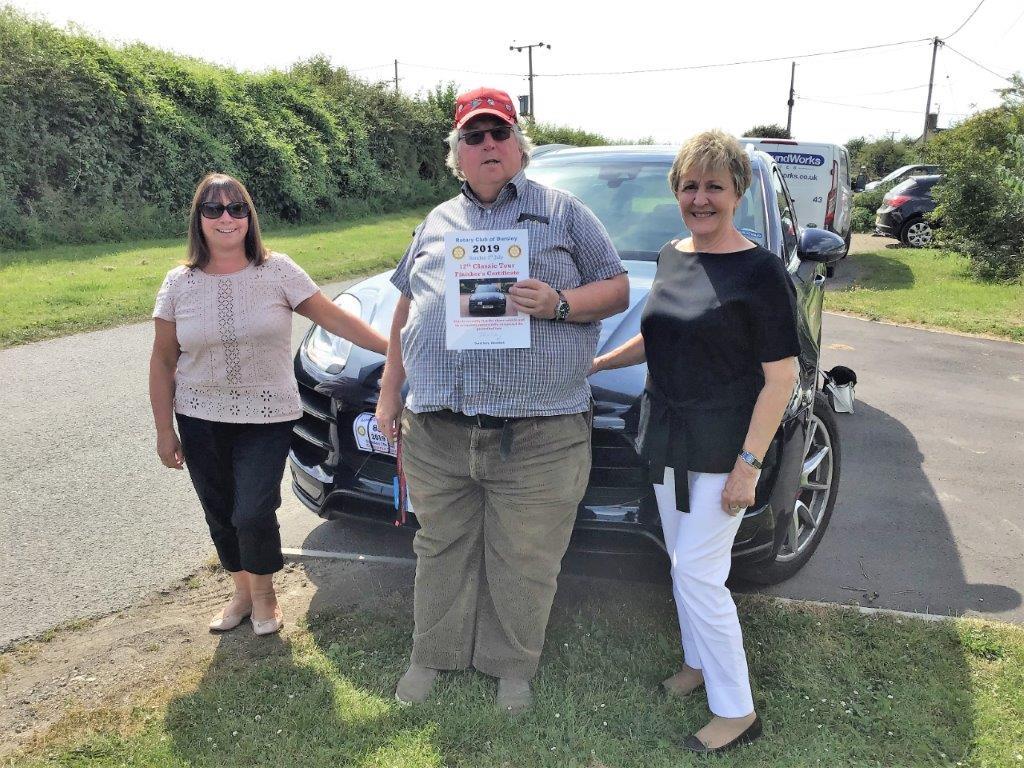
(813, 496)
(919, 234)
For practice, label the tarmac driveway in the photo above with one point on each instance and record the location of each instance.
(929, 514)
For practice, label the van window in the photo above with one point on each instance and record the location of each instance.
(844, 167)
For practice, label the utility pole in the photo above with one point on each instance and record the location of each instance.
(396, 75)
(789, 115)
(931, 80)
(529, 53)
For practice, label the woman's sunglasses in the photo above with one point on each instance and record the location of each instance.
(216, 210)
(500, 133)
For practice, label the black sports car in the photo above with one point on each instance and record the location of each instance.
(342, 465)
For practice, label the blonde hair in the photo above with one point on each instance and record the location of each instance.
(709, 152)
(210, 190)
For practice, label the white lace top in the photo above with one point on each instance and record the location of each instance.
(235, 337)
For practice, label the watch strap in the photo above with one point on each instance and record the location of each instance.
(750, 459)
(562, 308)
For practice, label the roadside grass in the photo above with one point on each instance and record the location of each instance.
(933, 288)
(834, 687)
(69, 289)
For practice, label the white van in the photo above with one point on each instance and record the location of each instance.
(818, 177)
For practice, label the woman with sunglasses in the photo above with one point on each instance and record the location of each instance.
(222, 365)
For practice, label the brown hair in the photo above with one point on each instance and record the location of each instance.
(210, 189)
(712, 151)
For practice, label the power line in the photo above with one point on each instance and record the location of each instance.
(977, 64)
(366, 69)
(964, 24)
(867, 107)
(461, 71)
(734, 63)
(894, 90)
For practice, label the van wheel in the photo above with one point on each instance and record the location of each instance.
(916, 233)
(812, 511)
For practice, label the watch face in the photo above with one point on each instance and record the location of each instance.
(563, 310)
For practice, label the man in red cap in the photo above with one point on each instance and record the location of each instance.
(495, 442)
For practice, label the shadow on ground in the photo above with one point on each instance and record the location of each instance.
(889, 543)
(323, 697)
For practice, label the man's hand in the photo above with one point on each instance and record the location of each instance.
(535, 298)
(389, 413)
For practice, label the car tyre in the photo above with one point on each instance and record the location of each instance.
(819, 488)
(917, 233)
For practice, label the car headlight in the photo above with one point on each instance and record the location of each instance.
(326, 350)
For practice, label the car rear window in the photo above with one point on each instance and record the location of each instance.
(633, 201)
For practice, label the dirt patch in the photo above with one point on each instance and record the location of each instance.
(120, 659)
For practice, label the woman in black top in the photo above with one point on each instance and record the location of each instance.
(719, 337)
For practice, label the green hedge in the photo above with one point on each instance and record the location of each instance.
(101, 143)
(981, 200)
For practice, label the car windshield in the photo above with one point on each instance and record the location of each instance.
(632, 199)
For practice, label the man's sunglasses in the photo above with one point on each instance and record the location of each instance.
(216, 210)
(500, 133)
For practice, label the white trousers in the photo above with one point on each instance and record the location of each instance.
(699, 544)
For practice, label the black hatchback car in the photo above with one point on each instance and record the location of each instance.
(342, 465)
(905, 212)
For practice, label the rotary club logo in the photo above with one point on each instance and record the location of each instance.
(458, 252)
(514, 251)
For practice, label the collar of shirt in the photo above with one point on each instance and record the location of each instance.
(515, 186)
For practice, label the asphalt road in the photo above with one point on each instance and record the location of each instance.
(929, 514)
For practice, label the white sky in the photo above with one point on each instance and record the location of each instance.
(468, 41)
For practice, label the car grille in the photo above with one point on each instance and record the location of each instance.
(618, 480)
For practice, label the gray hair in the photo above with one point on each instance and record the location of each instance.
(452, 161)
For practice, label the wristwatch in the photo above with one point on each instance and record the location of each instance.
(562, 310)
(750, 459)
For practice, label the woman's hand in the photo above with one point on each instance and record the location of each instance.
(168, 448)
(597, 365)
(389, 413)
(738, 493)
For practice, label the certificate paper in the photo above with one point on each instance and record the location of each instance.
(480, 267)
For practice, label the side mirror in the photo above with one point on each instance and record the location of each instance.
(820, 245)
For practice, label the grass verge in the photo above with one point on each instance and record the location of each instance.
(62, 290)
(834, 687)
(933, 288)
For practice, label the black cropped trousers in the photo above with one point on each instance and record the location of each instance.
(236, 470)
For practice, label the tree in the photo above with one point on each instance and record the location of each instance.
(768, 131)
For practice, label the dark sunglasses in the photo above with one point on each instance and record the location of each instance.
(500, 133)
(215, 210)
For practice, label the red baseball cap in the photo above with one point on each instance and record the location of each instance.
(484, 101)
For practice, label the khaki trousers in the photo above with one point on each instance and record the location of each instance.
(493, 532)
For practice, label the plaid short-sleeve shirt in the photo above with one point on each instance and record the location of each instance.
(569, 247)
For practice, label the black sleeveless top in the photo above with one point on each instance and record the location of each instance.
(711, 319)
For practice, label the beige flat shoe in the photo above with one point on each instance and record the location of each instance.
(225, 622)
(268, 626)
